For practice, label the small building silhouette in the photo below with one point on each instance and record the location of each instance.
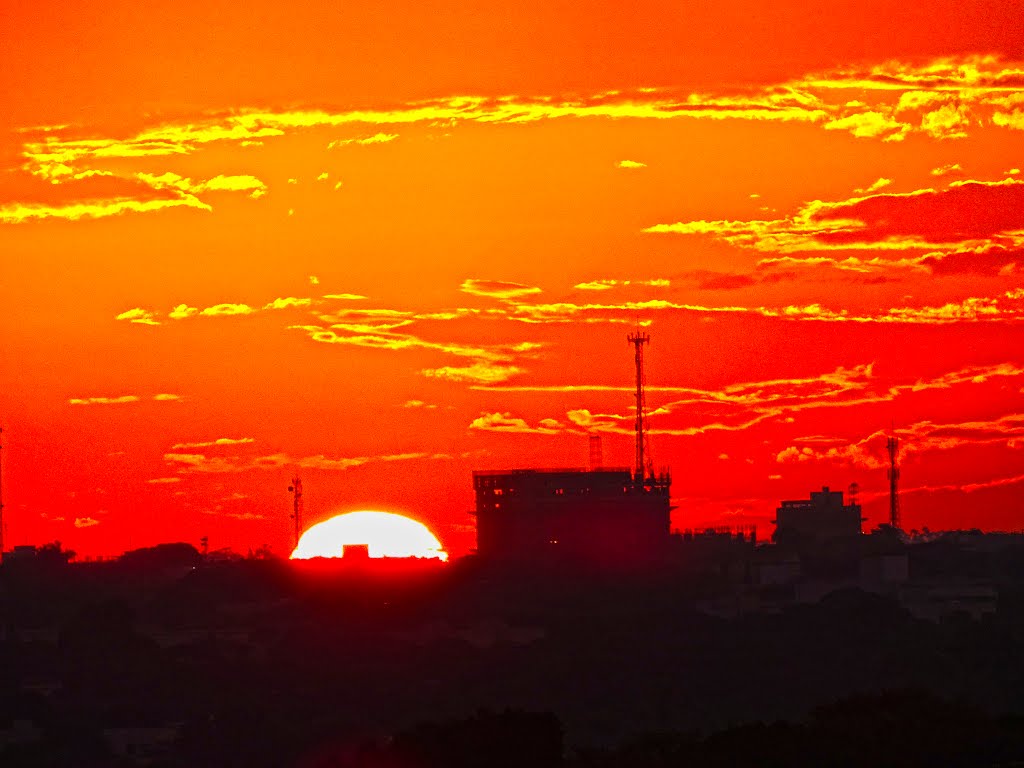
(810, 523)
(354, 552)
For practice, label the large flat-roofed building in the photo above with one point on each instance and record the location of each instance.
(598, 516)
(604, 516)
(822, 518)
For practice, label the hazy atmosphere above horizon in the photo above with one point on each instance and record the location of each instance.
(381, 246)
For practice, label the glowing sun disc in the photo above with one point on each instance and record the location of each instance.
(385, 534)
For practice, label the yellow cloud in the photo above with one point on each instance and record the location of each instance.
(890, 221)
(163, 397)
(1014, 119)
(182, 311)
(875, 186)
(564, 312)
(21, 212)
(197, 463)
(220, 441)
(743, 405)
(944, 98)
(286, 302)
(497, 288)
(869, 124)
(217, 183)
(55, 156)
(604, 285)
(377, 138)
(395, 341)
(740, 406)
(481, 372)
(232, 183)
(138, 315)
(227, 309)
(946, 122)
(103, 400)
(505, 422)
(920, 437)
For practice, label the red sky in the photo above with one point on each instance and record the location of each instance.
(384, 245)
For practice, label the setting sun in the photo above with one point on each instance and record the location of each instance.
(385, 534)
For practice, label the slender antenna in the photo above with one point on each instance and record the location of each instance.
(638, 340)
(892, 444)
(596, 459)
(296, 489)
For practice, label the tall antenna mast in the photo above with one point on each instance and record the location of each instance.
(638, 340)
(296, 489)
(892, 444)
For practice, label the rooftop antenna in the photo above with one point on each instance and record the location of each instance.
(596, 459)
(892, 445)
(296, 490)
(644, 465)
(853, 491)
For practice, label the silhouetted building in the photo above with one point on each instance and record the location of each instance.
(353, 552)
(603, 516)
(725, 551)
(812, 522)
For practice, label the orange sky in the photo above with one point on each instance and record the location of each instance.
(386, 246)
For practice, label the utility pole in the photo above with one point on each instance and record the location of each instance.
(644, 466)
(296, 489)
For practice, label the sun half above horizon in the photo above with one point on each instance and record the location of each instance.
(384, 534)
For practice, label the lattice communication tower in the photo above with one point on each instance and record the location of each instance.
(644, 464)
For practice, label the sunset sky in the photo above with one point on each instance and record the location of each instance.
(385, 244)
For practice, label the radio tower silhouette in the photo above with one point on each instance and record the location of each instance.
(296, 489)
(644, 464)
(892, 445)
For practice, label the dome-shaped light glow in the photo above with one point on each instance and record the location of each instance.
(385, 534)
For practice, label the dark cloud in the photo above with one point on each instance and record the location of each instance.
(731, 281)
(723, 281)
(987, 261)
(965, 211)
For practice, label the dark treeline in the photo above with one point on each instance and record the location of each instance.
(168, 659)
